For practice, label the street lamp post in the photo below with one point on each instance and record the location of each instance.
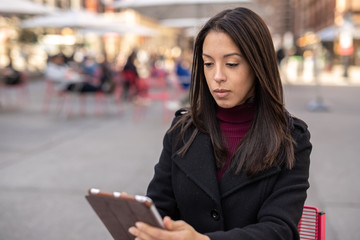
(317, 104)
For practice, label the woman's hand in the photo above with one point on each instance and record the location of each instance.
(174, 230)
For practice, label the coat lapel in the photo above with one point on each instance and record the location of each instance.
(232, 182)
(199, 165)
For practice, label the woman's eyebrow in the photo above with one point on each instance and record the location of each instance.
(225, 56)
(232, 54)
(205, 55)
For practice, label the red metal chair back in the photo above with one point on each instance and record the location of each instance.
(312, 224)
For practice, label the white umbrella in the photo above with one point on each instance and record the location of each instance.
(128, 29)
(166, 9)
(183, 22)
(82, 19)
(62, 19)
(191, 26)
(23, 7)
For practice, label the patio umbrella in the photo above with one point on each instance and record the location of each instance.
(62, 19)
(127, 29)
(23, 7)
(81, 19)
(168, 9)
(183, 22)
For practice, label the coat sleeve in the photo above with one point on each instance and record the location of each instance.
(160, 188)
(281, 211)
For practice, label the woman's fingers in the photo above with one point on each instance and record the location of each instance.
(142, 231)
(148, 232)
(173, 230)
(172, 225)
(168, 223)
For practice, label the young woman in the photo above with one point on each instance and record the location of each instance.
(235, 165)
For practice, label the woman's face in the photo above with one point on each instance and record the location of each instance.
(228, 75)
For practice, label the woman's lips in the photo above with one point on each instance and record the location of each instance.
(221, 93)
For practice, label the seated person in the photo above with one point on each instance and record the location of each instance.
(90, 67)
(66, 78)
(11, 75)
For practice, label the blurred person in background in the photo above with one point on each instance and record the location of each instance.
(67, 78)
(133, 85)
(130, 75)
(183, 73)
(280, 55)
(106, 75)
(90, 67)
(235, 164)
(11, 75)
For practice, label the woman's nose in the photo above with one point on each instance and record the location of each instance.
(219, 74)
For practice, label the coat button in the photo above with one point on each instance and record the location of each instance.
(215, 214)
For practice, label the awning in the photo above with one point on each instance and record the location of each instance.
(332, 32)
(328, 34)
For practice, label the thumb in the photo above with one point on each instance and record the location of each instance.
(168, 223)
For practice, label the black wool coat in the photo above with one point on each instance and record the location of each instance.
(265, 206)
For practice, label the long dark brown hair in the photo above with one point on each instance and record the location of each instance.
(269, 140)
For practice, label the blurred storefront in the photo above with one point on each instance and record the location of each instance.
(167, 33)
(336, 24)
(17, 44)
(122, 32)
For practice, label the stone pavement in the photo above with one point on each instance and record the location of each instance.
(48, 161)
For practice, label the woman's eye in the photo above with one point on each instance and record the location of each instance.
(232, 64)
(208, 64)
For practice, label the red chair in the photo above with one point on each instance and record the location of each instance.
(22, 89)
(312, 224)
(129, 81)
(61, 96)
(99, 95)
(157, 89)
(64, 97)
(118, 81)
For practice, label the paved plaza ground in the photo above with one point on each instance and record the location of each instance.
(49, 160)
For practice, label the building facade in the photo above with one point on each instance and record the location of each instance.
(90, 5)
(336, 24)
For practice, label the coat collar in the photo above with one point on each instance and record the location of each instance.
(199, 165)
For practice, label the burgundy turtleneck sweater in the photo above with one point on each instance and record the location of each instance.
(234, 123)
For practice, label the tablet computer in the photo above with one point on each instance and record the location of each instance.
(119, 212)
